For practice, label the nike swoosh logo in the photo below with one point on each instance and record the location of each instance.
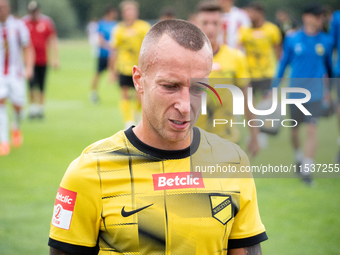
(127, 214)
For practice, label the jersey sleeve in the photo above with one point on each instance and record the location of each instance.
(115, 37)
(247, 229)
(241, 36)
(25, 37)
(242, 71)
(276, 35)
(284, 59)
(51, 27)
(77, 211)
(245, 19)
(146, 28)
(333, 28)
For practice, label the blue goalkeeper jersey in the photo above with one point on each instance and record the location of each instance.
(309, 56)
(105, 28)
(335, 33)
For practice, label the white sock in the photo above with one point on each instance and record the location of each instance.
(262, 139)
(16, 119)
(40, 108)
(306, 170)
(4, 132)
(33, 109)
(299, 156)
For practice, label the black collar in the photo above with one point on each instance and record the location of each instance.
(164, 154)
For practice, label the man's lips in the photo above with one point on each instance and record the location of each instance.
(179, 124)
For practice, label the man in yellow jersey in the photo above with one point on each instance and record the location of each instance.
(261, 42)
(127, 40)
(136, 193)
(229, 66)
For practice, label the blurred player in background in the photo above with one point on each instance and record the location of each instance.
(285, 23)
(44, 37)
(233, 19)
(168, 12)
(126, 43)
(14, 40)
(309, 54)
(335, 33)
(261, 42)
(327, 15)
(104, 31)
(229, 64)
(192, 19)
(92, 35)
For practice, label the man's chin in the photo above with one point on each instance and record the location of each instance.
(177, 137)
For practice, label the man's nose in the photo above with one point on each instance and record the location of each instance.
(183, 101)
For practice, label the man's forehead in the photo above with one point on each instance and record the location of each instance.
(167, 44)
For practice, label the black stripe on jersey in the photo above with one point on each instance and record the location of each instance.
(137, 158)
(246, 242)
(72, 248)
(166, 215)
(152, 238)
(100, 181)
(164, 154)
(131, 179)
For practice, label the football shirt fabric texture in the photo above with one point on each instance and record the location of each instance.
(309, 57)
(229, 67)
(335, 33)
(116, 208)
(104, 29)
(41, 31)
(14, 35)
(231, 23)
(127, 40)
(259, 44)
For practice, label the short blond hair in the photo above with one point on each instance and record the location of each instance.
(125, 3)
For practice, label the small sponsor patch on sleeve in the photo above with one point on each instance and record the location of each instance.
(63, 208)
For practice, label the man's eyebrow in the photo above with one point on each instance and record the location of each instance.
(169, 80)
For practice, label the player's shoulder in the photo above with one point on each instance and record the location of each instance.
(240, 13)
(270, 26)
(142, 24)
(294, 35)
(46, 19)
(336, 15)
(230, 52)
(86, 162)
(19, 24)
(326, 36)
(27, 18)
(219, 148)
(15, 20)
(112, 143)
(327, 39)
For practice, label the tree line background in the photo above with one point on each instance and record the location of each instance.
(72, 16)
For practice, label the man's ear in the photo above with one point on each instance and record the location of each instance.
(137, 79)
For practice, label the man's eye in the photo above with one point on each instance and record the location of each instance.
(170, 87)
(196, 90)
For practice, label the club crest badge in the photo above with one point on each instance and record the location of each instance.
(319, 49)
(221, 208)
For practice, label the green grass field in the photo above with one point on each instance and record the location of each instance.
(298, 219)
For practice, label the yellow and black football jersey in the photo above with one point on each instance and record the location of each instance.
(122, 196)
(127, 40)
(259, 45)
